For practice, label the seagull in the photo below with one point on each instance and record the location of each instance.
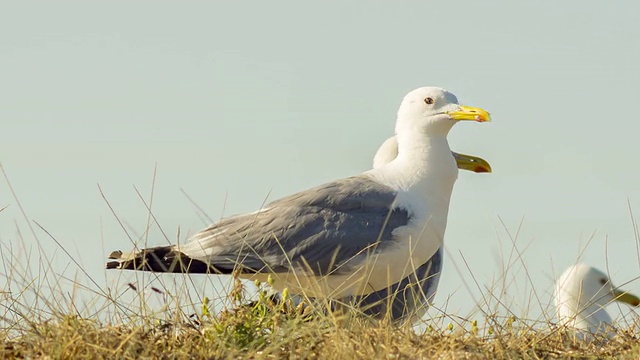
(581, 294)
(349, 237)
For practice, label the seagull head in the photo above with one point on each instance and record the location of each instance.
(581, 294)
(433, 111)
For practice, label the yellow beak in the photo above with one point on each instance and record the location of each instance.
(472, 163)
(470, 113)
(626, 297)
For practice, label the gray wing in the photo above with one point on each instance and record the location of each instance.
(319, 229)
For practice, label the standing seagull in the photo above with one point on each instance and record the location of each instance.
(581, 294)
(349, 237)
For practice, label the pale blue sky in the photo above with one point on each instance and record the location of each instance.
(237, 101)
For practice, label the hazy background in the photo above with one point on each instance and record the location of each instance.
(237, 102)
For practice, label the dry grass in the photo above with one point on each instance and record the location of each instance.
(267, 330)
(45, 313)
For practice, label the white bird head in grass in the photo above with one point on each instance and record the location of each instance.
(581, 294)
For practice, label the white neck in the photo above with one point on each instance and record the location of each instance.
(424, 172)
(425, 162)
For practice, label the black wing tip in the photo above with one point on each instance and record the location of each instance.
(113, 265)
(163, 259)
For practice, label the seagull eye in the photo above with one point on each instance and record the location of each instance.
(428, 100)
(603, 281)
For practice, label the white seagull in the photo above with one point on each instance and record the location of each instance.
(349, 237)
(581, 294)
